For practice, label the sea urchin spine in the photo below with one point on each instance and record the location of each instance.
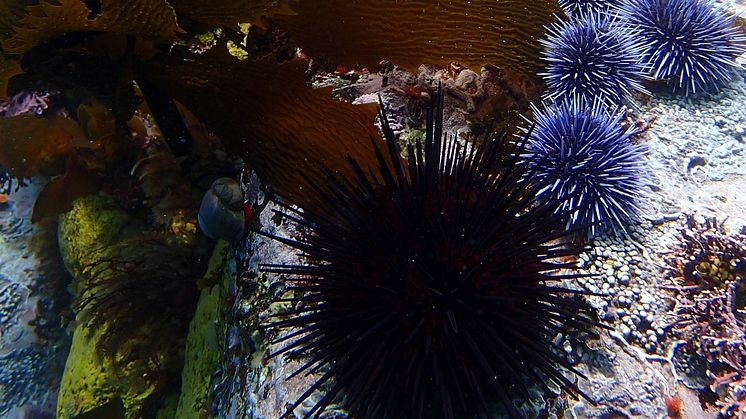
(431, 289)
(691, 44)
(579, 7)
(586, 163)
(593, 56)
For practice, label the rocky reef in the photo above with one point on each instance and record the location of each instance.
(166, 167)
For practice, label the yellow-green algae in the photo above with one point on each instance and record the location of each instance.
(85, 382)
(90, 380)
(205, 339)
(94, 223)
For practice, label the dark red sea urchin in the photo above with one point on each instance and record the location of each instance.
(431, 288)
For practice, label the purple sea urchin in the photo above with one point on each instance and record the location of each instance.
(431, 288)
(586, 163)
(691, 44)
(593, 56)
(580, 7)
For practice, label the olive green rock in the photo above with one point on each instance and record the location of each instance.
(89, 380)
(94, 223)
(85, 380)
(204, 347)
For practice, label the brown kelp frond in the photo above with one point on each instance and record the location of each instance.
(471, 32)
(32, 146)
(229, 13)
(350, 32)
(149, 19)
(137, 296)
(271, 117)
(75, 154)
(271, 111)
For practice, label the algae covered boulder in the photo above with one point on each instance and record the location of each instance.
(134, 291)
(89, 380)
(204, 348)
(95, 223)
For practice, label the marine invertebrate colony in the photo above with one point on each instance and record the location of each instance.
(708, 268)
(593, 56)
(589, 168)
(712, 256)
(691, 44)
(430, 289)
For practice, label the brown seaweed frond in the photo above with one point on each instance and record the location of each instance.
(150, 19)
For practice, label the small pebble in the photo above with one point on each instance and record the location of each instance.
(626, 331)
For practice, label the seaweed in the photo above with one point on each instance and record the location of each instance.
(135, 300)
(270, 117)
(708, 271)
(149, 19)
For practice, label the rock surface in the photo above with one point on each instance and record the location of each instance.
(33, 345)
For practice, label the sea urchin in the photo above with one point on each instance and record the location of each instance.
(431, 289)
(691, 44)
(586, 163)
(593, 56)
(580, 7)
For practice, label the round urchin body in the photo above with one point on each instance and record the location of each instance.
(580, 7)
(587, 164)
(431, 288)
(691, 44)
(591, 55)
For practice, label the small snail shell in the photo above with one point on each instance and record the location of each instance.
(221, 215)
